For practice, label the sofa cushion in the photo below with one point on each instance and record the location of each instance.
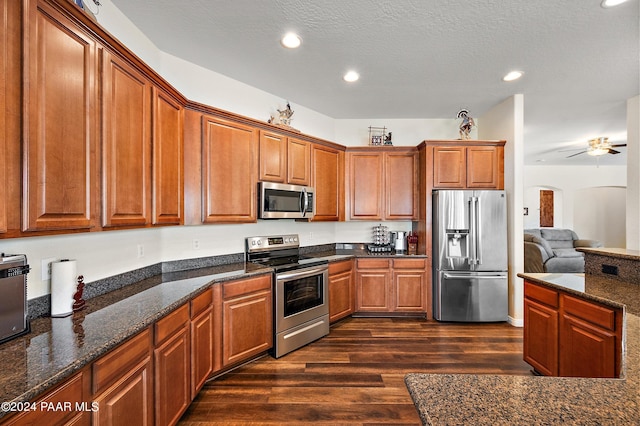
(534, 232)
(567, 253)
(538, 240)
(565, 265)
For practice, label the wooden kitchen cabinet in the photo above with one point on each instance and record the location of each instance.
(409, 291)
(391, 285)
(341, 290)
(284, 160)
(4, 78)
(468, 167)
(540, 349)
(273, 157)
(247, 323)
(298, 162)
(327, 177)
(567, 336)
(383, 185)
(122, 383)
(126, 149)
(229, 167)
(73, 391)
(202, 336)
(60, 123)
(167, 166)
(172, 356)
(372, 285)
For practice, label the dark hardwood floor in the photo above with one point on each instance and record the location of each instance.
(355, 375)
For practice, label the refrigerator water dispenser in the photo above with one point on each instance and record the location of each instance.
(457, 243)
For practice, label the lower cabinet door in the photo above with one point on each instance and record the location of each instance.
(201, 350)
(129, 401)
(409, 288)
(172, 372)
(586, 350)
(372, 291)
(541, 337)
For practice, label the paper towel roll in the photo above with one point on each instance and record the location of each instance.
(63, 286)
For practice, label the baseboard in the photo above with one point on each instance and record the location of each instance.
(516, 322)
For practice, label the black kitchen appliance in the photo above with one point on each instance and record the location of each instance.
(13, 303)
(301, 294)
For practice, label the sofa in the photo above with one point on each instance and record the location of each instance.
(554, 250)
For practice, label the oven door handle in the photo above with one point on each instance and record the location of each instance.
(301, 273)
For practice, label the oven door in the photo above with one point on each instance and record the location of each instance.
(279, 201)
(301, 295)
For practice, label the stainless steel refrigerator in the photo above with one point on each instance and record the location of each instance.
(469, 231)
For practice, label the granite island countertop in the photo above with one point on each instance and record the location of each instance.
(55, 348)
(444, 399)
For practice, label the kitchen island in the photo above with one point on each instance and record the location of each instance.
(490, 400)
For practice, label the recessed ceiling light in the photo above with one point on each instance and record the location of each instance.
(512, 75)
(351, 76)
(611, 3)
(291, 40)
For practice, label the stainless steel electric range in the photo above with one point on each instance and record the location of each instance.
(301, 294)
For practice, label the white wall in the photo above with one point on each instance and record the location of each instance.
(602, 214)
(633, 173)
(577, 213)
(506, 121)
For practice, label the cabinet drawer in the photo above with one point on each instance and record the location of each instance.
(120, 360)
(591, 312)
(173, 322)
(410, 263)
(541, 294)
(238, 288)
(340, 267)
(201, 302)
(373, 263)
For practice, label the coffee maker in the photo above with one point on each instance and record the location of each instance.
(399, 241)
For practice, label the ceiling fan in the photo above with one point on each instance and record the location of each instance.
(600, 146)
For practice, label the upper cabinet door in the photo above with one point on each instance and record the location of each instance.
(483, 167)
(4, 22)
(366, 185)
(449, 167)
(167, 159)
(229, 164)
(298, 162)
(401, 173)
(273, 157)
(126, 150)
(327, 177)
(59, 122)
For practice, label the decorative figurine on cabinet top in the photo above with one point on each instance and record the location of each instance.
(466, 125)
(378, 136)
(284, 118)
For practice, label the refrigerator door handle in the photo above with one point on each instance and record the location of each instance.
(475, 277)
(478, 232)
(472, 231)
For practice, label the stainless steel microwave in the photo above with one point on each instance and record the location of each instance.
(280, 201)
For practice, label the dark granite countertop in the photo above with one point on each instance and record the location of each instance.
(444, 399)
(619, 253)
(58, 347)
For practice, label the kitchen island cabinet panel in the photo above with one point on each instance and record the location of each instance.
(59, 122)
(229, 170)
(167, 159)
(586, 350)
(540, 348)
(327, 177)
(126, 151)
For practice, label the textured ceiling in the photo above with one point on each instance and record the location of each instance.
(423, 58)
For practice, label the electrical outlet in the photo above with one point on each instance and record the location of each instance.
(140, 250)
(196, 244)
(46, 268)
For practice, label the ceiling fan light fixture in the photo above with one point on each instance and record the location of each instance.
(598, 146)
(291, 40)
(512, 75)
(611, 3)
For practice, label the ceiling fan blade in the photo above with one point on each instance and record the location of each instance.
(573, 155)
(613, 151)
(618, 145)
